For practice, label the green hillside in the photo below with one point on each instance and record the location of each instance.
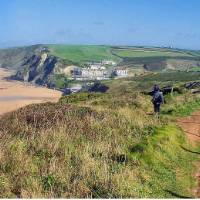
(82, 53)
(137, 59)
(156, 59)
(137, 53)
(94, 145)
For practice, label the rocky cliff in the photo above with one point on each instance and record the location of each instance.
(13, 58)
(38, 68)
(32, 64)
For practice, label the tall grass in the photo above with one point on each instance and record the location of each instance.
(92, 145)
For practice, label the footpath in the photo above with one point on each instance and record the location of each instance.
(191, 126)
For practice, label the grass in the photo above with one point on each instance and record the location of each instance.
(195, 69)
(170, 76)
(137, 53)
(82, 53)
(95, 146)
(160, 162)
(156, 59)
(66, 151)
(181, 105)
(59, 81)
(163, 79)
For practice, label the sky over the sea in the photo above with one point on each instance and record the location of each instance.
(117, 22)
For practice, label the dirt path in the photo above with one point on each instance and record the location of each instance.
(15, 94)
(191, 126)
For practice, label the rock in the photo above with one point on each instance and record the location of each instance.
(195, 91)
(37, 68)
(192, 85)
(98, 87)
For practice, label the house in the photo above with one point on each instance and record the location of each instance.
(94, 73)
(121, 72)
(108, 62)
(76, 71)
(95, 66)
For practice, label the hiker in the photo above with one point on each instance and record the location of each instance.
(158, 98)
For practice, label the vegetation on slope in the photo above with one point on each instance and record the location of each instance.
(32, 66)
(14, 57)
(59, 81)
(195, 69)
(157, 59)
(82, 53)
(94, 145)
(135, 53)
(167, 78)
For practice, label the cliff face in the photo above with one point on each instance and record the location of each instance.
(32, 64)
(37, 68)
(13, 58)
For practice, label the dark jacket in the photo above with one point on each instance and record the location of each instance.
(158, 98)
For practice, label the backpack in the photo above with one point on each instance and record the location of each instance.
(157, 98)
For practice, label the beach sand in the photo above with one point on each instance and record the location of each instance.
(16, 94)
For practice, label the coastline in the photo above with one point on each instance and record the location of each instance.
(16, 94)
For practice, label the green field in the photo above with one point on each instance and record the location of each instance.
(195, 69)
(171, 76)
(137, 53)
(156, 58)
(82, 53)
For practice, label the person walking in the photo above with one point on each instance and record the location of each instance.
(157, 99)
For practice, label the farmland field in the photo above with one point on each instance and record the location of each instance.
(135, 53)
(82, 53)
(171, 76)
(195, 69)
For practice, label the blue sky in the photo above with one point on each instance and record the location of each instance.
(115, 22)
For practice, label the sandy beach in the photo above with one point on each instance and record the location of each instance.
(16, 94)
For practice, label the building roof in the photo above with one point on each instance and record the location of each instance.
(121, 68)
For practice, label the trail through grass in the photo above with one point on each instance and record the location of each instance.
(94, 145)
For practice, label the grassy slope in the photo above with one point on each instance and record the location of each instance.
(146, 82)
(157, 59)
(168, 78)
(97, 145)
(82, 53)
(195, 69)
(135, 53)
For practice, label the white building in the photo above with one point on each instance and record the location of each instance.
(108, 62)
(121, 72)
(76, 88)
(94, 73)
(95, 66)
